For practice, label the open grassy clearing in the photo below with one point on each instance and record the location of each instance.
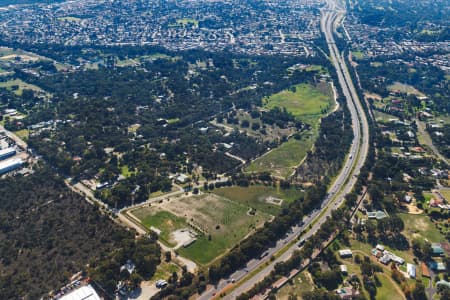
(383, 117)
(303, 99)
(441, 116)
(162, 220)
(428, 196)
(387, 291)
(445, 194)
(225, 221)
(272, 132)
(420, 226)
(358, 54)
(318, 68)
(282, 160)
(405, 88)
(125, 171)
(127, 63)
(156, 56)
(165, 270)
(17, 86)
(300, 284)
(255, 196)
(307, 103)
(23, 134)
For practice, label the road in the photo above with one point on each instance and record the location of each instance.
(341, 186)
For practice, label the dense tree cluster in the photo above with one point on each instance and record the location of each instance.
(330, 148)
(48, 233)
(143, 253)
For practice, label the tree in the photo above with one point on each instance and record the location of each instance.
(168, 256)
(418, 292)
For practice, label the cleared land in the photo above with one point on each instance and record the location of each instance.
(17, 86)
(420, 226)
(388, 291)
(303, 99)
(300, 284)
(358, 54)
(23, 134)
(283, 160)
(258, 197)
(384, 117)
(405, 88)
(165, 270)
(227, 222)
(445, 194)
(162, 220)
(307, 103)
(219, 222)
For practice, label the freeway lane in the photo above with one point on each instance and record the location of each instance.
(341, 186)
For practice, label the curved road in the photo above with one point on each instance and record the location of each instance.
(343, 184)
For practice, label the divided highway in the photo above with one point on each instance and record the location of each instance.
(343, 184)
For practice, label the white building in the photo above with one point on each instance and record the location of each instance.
(411, 269)
(345, 253)
(10, 165)
(86, 292)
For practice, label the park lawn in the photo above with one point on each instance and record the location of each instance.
(21, 85)
(226, 221)
(387, 290)
(282, 160)
(254, 196)
(162, 220)
(305, 100)
(420, 226)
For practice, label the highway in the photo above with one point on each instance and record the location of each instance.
(343, 184)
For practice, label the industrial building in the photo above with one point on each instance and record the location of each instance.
(86, 292)
(10, 165)
(8, 152)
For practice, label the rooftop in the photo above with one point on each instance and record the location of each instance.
(86, 292)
